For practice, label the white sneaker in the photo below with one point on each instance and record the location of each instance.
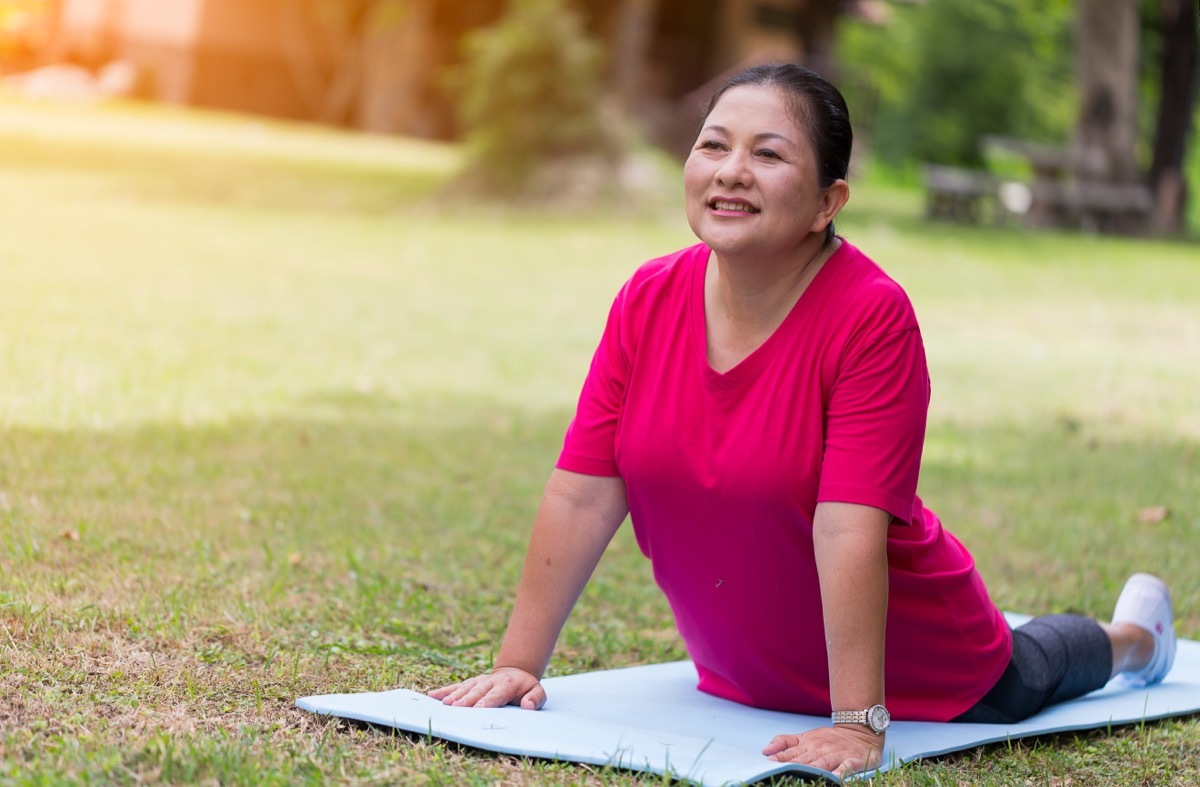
(1146, 602)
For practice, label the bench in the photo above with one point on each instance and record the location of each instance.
(1092, 206)
(1110, 207)
(959, 194)
(1069, 189)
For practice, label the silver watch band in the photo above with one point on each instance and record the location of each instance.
(849, 717)
(875, 718)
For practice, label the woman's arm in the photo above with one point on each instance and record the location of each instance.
(850, 542)
(577, 518)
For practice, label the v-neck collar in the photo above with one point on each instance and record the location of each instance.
(753, 363)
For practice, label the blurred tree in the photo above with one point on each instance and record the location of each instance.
(26, 29)
(947, 72)
(1107, 42)
(1179, 77)
(325, 44)
(815, 27)
(530, 91)
(407, 57)
(631, 50)
(1106, 46)
(378, 64)
(1001, 68)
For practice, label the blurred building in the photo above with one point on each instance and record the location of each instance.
(228, 54)
(349, 62)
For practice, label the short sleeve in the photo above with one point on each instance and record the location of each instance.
(875, 425)
(590, 443)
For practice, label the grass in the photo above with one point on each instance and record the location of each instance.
(272, 425)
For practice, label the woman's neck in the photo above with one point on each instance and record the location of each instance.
(745, 301)
(757, 293)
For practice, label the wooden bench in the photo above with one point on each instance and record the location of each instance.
(1092, 206)
(959, 194)
(1069, 190)
(1110, 207)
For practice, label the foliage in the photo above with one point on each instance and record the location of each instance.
(529, 92)
(948, 72)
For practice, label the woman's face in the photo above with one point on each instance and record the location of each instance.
(751, 182)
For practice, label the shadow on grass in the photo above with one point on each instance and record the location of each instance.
(385, 527)
(221, 179)
(352, 474)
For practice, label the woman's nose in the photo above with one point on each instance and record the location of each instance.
(734, 170)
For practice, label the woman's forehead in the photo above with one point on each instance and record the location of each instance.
(759, 109)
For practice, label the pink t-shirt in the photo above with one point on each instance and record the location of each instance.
(724, 471)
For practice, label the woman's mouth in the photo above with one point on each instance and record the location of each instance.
(732, 206)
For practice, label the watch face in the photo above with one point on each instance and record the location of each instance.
(879, 718)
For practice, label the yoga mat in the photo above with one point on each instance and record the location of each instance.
(653, 719)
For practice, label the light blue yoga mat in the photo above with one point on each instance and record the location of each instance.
(653, 719)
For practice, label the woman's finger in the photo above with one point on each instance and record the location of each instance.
(535, 698)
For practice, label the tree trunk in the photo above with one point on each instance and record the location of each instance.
(54, 49)
(324, 47)
(401, 75)
(1107, 60)
(1177, 101)
(300, 57)
(631, 50)
(816, 23)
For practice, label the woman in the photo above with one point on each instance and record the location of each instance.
(757, 404)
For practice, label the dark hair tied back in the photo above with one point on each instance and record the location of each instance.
(816, 106)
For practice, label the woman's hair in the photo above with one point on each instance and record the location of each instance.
(816, 106)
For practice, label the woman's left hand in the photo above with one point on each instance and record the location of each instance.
(843, 750)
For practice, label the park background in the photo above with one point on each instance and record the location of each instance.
(295, 305)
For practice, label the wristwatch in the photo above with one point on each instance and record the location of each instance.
(875, 717)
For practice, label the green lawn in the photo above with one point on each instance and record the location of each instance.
(272, 425)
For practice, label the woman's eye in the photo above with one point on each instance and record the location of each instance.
(711, 144)
(768, 154)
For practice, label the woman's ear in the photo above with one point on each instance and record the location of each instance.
(833, 199)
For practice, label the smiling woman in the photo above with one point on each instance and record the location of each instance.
(819, 141)
(757, 406)
(740, 165)
(761, 197)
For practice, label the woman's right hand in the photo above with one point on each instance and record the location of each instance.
(502, 686)
(577, 518)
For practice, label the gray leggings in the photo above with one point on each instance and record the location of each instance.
(1055, 658)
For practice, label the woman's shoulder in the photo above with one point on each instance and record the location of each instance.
(865, 288)
(675, 263)
(667, 276)
(864, 273)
